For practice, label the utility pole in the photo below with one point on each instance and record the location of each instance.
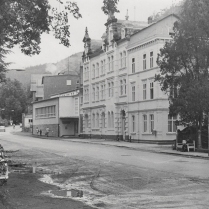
(208, 133)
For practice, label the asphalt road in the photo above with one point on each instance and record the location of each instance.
(126, 178)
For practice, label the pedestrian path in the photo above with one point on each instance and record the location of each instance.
(166, 149)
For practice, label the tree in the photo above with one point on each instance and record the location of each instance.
(13, 100)
(110, 6)
(22, 23)
(184, 64)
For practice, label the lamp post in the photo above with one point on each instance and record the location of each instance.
(10, 117)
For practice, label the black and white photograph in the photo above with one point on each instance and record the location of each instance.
(104, 104)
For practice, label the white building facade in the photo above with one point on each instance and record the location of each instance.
(120, 97)
(148, 115)
(60, 114)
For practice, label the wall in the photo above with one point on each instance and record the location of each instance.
(58, 84)
(53, 129)
(148, 40)
(43, 123)
(67, 107)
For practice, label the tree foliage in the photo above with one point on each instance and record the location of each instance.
(110, 6)
(13, 100)
(184, 63)
(23, 21)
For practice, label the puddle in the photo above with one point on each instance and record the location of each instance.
(90, 197)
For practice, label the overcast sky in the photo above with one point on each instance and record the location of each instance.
(93, 18)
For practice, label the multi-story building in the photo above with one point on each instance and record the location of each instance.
(60, 114)
(59, 108)
(37, 87)
(148, 115)
(56, 84)
(120, 97)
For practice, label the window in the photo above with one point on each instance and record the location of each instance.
(171, 123)
(121, 60)
(97, 93)
(93, 71)
(124, 84)
(109, 64)
(45, 112)
(112, 63)
(102, 91)
(86, 121)
(86, 70)
(97, 120)
(94, 93)
(174, 92)
(151, 59)
(124, 59)
(68, 82)
(133, 65)
(86, 94)
(109, 89)
(93, 120)
(144, 62)
(97, 70)
(104, 64)
(133, 123)
(102, 68)
(144, 91)
(151, 122)
(112, 84)
(152, 90)
(103, 120)
(109, 120)
(112, 119)
(145, 123)
(121, 87)
(133, 93)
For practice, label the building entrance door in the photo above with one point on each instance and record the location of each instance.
(76, 127)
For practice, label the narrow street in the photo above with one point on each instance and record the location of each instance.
(112, 177)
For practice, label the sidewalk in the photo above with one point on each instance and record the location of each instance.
(165, 149)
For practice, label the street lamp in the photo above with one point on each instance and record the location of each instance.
(10, 117)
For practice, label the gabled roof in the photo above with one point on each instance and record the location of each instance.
(132, 24)
(156, 23)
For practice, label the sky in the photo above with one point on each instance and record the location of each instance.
(94, 19)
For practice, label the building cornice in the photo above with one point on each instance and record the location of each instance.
(94, 107)
(138, 45)
(148, 110)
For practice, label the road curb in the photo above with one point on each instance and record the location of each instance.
(123, 146)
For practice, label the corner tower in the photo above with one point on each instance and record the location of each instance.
(87, 45)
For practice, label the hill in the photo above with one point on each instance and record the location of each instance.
(70, 64)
